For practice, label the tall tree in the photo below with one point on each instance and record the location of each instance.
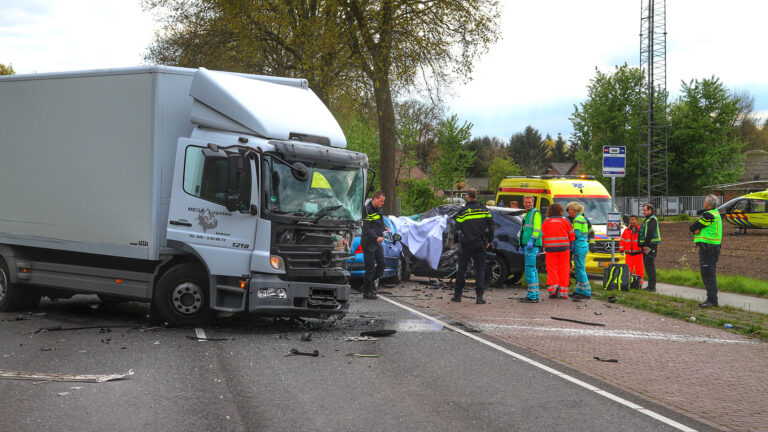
(560, 151)
(454, 159)
(6, 70)
(351, 48)
(417, 125)
(528, 150)
(610, 116)
(704, 141)
(486, 149)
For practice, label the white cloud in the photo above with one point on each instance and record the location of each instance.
(48, 36)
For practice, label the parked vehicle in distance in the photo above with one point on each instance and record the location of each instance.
(505, 263)
(747, 211)
(396, 269)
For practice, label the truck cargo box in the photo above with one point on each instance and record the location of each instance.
(86, 158)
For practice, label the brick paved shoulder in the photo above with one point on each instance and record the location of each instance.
(712, 375)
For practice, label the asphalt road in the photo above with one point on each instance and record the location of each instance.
(425, 377)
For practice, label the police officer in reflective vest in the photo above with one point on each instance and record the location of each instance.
(371, 238)
(707, 235)
(649, 239)
(474, 226)
(530, 243)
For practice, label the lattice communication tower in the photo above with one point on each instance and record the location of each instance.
(653, 177)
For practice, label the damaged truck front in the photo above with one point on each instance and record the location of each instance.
(197, 191)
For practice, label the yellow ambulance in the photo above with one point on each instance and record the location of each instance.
(562, 189)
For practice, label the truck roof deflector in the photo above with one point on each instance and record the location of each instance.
(233, 102)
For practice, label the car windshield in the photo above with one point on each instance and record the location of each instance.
(330, 191)
(595, 209)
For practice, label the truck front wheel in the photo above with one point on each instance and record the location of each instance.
(181, 296)
(11, 297)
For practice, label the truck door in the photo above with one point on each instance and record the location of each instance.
(198, 218)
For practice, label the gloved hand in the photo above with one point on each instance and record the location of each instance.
(530, 244)
(592, 247)
(573, 246)
(521, 250)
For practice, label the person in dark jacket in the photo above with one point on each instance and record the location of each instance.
(474, 226)
(370, 240)
(649, 238)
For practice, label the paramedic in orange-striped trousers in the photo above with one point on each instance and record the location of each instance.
(630, 247)
(557, 236)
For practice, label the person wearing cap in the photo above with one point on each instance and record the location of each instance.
(371, 239)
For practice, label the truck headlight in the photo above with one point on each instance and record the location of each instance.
(276, 261)
(277, 293)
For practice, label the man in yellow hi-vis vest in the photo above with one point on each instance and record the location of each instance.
(707, 235)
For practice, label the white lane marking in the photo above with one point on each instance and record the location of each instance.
(555, 372)
(200, 334)
(626, 334)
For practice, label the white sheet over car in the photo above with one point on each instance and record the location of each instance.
(424, 238)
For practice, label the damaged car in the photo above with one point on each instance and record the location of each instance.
(505, 263)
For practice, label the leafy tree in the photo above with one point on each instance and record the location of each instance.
(417, 133)
(529, 150)
(454, 159)
(362, 137)
(611, 115)
(500, 168)
(417, 196)
(486, 148)
(704, 142)
(6, 70)
(752, 134)
(347, 49)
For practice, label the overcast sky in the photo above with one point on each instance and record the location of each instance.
(533, 76)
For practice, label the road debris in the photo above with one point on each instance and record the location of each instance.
(359, 338)
(295, 352)
(40, 376)
(362, 355)
(612, 299)
(102, 329)
(378, 333)
(606, 360)
(205, 339)
(306, 337)
(579, 322)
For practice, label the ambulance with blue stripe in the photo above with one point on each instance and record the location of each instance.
(747, 212)
(562, 189)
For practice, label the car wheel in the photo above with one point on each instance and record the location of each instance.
(515, 278)
(406, 269)
(182, 298)
(496, 272)
(398, 277)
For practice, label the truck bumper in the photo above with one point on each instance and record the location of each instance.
(303, 299)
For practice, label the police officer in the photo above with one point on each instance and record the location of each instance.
(474, 226)
(707, 235)
(649, 239)
(371, 238)
(530, 243)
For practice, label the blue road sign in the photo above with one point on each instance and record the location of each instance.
(614, 161)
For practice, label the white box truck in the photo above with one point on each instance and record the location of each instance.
(197, 191)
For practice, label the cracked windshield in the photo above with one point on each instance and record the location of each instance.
(330, 191)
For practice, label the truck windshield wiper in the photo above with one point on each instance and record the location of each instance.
(325, 211)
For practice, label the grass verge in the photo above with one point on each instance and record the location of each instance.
(728, 283)
(748, 323)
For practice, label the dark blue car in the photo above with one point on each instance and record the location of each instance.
(395, 270)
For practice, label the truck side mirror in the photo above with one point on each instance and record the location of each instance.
(234, 175)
